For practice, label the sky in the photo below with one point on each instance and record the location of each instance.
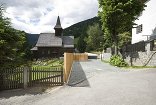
(38, 16)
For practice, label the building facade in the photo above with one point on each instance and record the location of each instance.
(146, 24)
(53, 45)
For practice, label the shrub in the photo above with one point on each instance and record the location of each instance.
(116, 60)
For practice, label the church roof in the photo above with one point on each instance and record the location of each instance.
(58, 23)
(34, 49)
(49, 40)
(68, 41)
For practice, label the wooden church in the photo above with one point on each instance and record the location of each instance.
(53, 45)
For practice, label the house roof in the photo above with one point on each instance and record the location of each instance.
(49, 40)
(34, 49)
(68, 41)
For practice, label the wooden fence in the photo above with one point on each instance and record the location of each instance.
(45, 76)
(80, 57)
(11, 78)
(68, 61)
(23, 77)
(14, 78)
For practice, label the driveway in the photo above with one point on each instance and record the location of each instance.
(96, 83)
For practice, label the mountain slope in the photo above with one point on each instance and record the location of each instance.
(32, 39)
(80, 28)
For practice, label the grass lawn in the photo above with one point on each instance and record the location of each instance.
(48, 63)
(105, 61)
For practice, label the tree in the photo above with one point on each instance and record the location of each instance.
(12, 42)
(117, 16)
(125, 38)
(81, 44)
(95, 38)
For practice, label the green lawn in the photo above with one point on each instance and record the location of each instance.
(45, 65)
(105, 61)
(48, 63)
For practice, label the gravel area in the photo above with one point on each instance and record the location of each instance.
(93, 83)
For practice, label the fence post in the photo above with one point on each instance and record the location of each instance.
(25, 76)
(62, 82)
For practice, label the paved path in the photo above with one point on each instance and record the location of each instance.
(84, 70)
(102, 84)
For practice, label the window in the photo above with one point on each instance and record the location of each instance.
(139, 29)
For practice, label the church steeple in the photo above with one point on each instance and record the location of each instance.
(58, 27)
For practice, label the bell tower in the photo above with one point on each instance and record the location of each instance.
(58, 27)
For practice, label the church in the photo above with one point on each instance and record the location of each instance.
(53, 45)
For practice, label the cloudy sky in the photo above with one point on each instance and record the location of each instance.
(36, 16)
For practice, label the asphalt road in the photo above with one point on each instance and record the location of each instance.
(96, 83)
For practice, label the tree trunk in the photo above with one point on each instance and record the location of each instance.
(115, 42)
(116, 46)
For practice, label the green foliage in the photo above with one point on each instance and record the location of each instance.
(116, 60)
(81, 44)
(107, 40)
(79, 29)
(94, 39)
(124, 39)
(12, 43)
(117, 17)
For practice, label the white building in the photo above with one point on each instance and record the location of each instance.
(146, 23)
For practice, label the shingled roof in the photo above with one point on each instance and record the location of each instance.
(49, 40)
(68, 41)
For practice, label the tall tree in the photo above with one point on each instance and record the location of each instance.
(94, 38)
(81, 44)
(117, 16)
(11, 42)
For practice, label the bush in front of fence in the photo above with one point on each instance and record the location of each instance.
(116, 60)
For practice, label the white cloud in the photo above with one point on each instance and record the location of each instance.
(36, 16)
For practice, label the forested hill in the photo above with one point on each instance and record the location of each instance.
(80, 28)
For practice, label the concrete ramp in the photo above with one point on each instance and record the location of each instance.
(78, 77)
